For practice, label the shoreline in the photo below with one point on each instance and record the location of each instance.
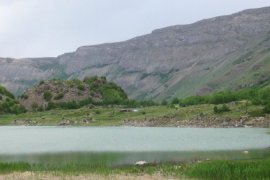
(257, 122)
(197, 116)
(226, 122)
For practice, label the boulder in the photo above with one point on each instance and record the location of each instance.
(141, 163)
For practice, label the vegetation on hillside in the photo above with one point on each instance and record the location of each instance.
(73, 94)
(97, 91)
(154, 116)
(8, 104)
(256, 96)
(5, 92)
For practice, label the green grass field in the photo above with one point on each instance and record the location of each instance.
(112, 116)
(244, 169)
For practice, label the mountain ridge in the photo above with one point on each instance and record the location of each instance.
(175, 61)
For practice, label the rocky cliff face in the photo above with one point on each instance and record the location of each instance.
(219, 53)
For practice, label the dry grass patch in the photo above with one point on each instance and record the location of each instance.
(52, 176)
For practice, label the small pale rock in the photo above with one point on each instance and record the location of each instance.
(140, 163)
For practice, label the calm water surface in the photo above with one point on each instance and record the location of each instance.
(127, 144)
(18, 140)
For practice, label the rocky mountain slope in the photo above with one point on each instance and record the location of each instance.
(71, 94)
(227, 52)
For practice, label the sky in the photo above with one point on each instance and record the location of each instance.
(48, 28)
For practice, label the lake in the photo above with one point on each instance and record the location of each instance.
(126, 145)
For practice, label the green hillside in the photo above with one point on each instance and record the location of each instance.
(8, 104)
(72, 94)
(251, 69)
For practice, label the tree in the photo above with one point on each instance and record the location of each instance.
(175, 101)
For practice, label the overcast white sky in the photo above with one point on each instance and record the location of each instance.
(35, 28)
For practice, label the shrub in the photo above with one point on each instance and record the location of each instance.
(34, 106)
(85, 102)
(266, 109)
(59, 96)
(256, 113)
(11, 106)
(81, 87)
(40, 108)
(216, 110)
(164, 102)
(18, 109)
(222, 109)
(51, 105)
(175, 101)
(24, 96)
(225, 108)
(41, 82)
(47, 96)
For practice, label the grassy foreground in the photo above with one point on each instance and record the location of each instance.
(244, 169)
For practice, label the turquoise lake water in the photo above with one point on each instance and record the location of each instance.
(126, 145)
